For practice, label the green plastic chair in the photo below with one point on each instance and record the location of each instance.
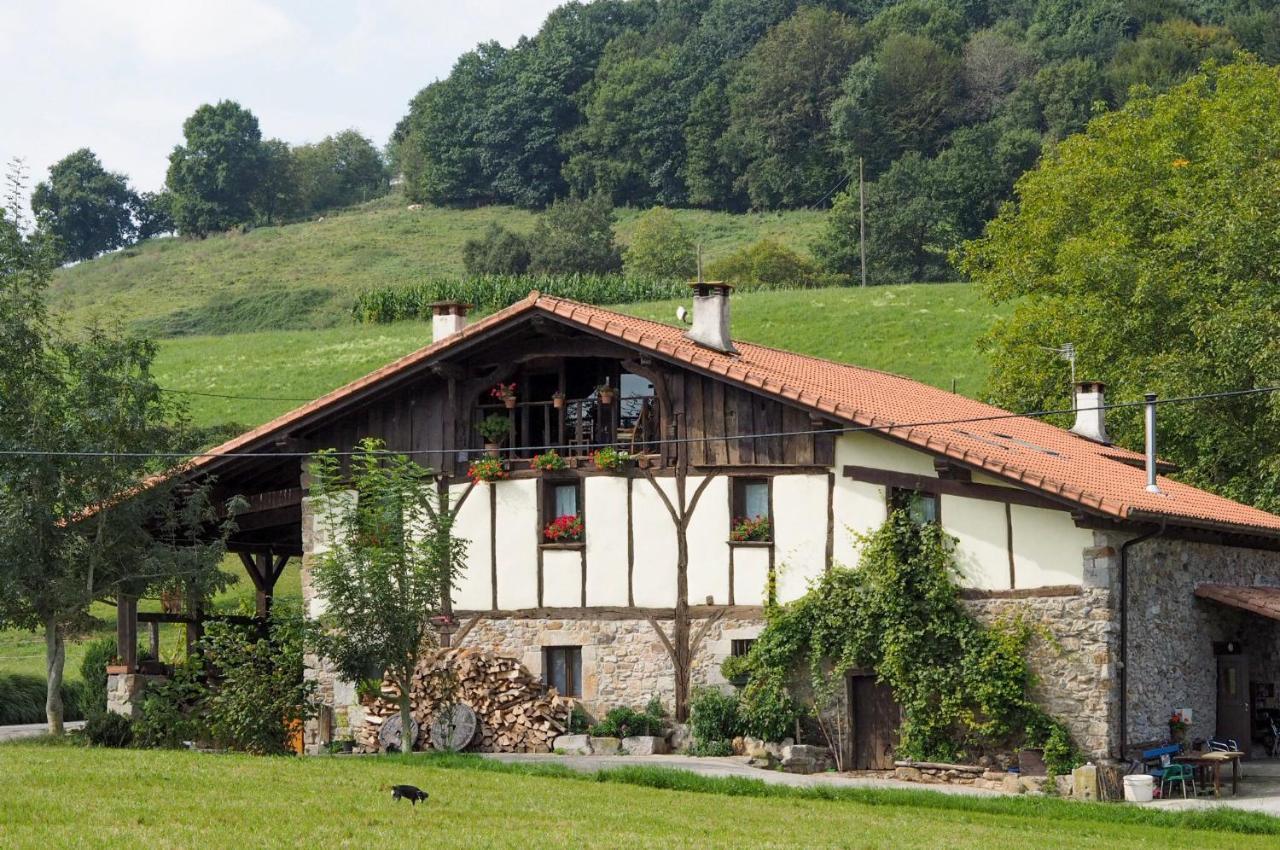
(1180, 773)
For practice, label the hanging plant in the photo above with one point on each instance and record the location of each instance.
(606, 393)
(564, 529)
(486, 469)
(547, 461)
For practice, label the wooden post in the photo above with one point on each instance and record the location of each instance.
(127, 631)
(153, 629)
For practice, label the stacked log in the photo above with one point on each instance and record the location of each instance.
(517, 713)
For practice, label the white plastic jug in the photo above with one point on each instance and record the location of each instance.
(1138, 788)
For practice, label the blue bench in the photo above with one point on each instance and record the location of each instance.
(1161, 756)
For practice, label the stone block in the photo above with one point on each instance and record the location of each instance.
(907, 774)
(604, 746)
(803, 758)
(573, 745)
(754, 747)
(644, 745)
(680, 737)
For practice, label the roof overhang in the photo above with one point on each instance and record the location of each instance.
(1254, 598)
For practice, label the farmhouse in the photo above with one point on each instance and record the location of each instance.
(1159, 596)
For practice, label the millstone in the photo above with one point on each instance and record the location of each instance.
(389, 733)
(454, 730)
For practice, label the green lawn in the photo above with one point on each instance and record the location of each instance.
(925, 331)
(306, 275)
(60, 796)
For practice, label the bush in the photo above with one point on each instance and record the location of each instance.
(575, 235)
(497, 251)
(767, 263)
(22, 699)
(661, 247)
(93, 675)
(260, 695)
(625, 722)
(711, 749)
(108, 729)
(579, 720)
(173, 711)
(713, 718)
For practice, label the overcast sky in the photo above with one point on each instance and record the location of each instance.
(120, 76)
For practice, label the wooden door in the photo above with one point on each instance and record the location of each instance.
(1233, 699)
(875, 719)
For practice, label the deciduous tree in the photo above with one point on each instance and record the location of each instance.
(89, 209)
(213, 175)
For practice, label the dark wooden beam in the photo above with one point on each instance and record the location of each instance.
(617, 612)
(952, 487)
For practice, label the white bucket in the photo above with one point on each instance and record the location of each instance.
(1137, 788)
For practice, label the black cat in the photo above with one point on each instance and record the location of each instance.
(408, 792)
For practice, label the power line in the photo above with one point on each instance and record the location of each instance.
(850, 429)
(233, 397)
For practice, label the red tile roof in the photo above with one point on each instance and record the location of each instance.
(1024, 450)
(1257, 599)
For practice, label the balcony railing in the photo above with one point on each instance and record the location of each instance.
(580, 425)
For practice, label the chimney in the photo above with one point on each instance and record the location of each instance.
(1091, 415)
(448, 318)
(1149, 417)
(711, 315)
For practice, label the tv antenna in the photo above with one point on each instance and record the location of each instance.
(1067, 351)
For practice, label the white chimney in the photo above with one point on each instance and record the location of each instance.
(1091, 414)
(448, 318)
(711, 316)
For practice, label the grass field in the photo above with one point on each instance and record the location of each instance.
(924, 331)
(306, 275)
(60, 796)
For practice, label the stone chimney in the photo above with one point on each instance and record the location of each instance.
(711, 316)
(448, 318)
(1091, 415)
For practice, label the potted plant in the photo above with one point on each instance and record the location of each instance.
(1177, 728)
(505, 393)
(549, 461)
(751, 530)
(564, 529)
(486, 469)
(494, 428)
(610, 459)
(557, 399)
(606, 393)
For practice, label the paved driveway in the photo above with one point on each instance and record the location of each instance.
(32, 730)
(734, 766)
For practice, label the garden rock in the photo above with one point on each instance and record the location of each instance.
(605, 746)
(681, 739)
(804, 758)
(574, 745)
(754, 748)
(645, 745)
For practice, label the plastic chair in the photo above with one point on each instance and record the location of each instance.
(1177, 773)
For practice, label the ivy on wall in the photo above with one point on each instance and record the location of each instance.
(963, 686)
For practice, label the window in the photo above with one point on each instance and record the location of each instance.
(562, 669)
(564, 499)
(562, 519)
(921, 507)
(738, 647)
(751, 518)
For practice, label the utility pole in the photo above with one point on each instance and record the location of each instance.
(862, 224)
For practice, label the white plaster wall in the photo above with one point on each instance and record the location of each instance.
(750, 574)
(799, 532)
(708, 537)
(561, 578)
(321, 512)
(1047, 547)
(983, 478)
(605, 504)
(654, 579)
(981, 533)
(866, 449)
(517, 552)
(857, 505)
(475, 585)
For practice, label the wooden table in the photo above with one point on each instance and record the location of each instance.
(1213, 760)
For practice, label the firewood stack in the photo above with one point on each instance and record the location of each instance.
(516, 711)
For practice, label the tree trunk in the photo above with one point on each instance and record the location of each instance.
(406, 719)
(55, 657)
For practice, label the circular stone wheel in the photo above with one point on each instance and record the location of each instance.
(389, 733)
(454, 730)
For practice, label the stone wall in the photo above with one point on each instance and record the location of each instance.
(1171, 632)
(623, 660)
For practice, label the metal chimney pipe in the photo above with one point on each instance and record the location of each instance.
(1150, 416)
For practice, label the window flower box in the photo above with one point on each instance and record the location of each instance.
(564, 529)
(548, 462)
(488, 469)
(751, 530)
(610, 459)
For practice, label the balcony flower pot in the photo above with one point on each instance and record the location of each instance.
(610, 459)
(557, 400)
(492, 450)
(506, 393)
(606, 394)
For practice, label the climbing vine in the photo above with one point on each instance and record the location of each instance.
(963, 686)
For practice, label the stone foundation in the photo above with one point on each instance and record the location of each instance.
(125, 691)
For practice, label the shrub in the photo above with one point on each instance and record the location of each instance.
(711, 749)
(93, 674)
(766, 263)
(661, 247)
(173, 710)
(496, 251)
(22, 699)
(108, 729)
(260, 695)
(575, 235)
(579, 720)
(625, 722)
(713, 719)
